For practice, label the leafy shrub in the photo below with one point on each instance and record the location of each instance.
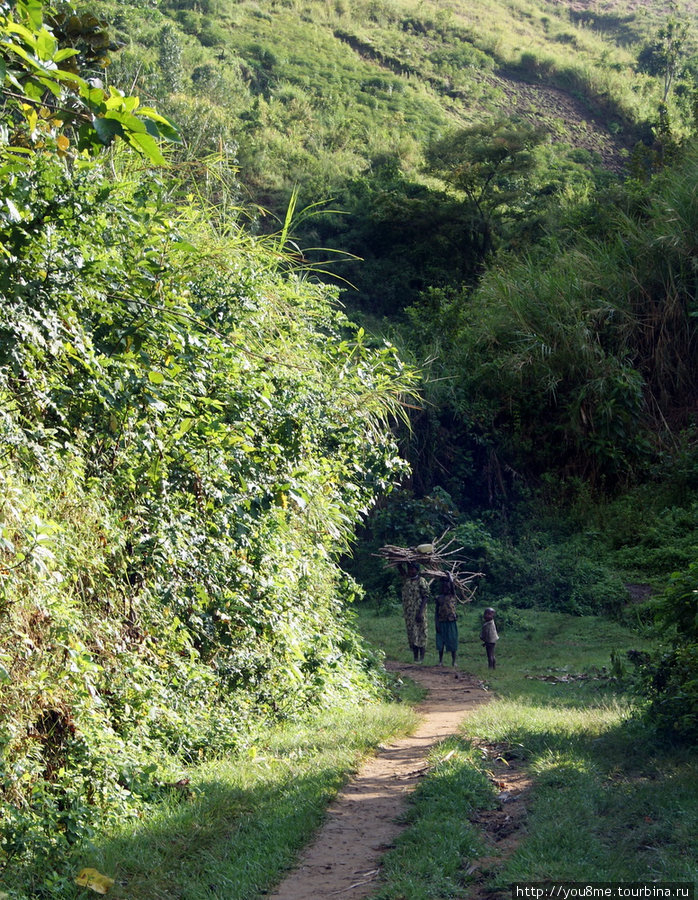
(461, 56)
(211, 33)
(670, 679)
(509, 617)
(539, 573)
(671, 684)
(191, 433)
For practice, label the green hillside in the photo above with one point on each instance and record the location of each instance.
(345, 102)
(317, 92)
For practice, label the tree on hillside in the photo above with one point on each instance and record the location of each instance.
(664, 56)
(491, 164)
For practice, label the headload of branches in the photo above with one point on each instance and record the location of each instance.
(437, 559)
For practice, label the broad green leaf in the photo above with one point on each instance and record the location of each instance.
(156, 377)
(51, 85)
(12, 78)
(22, 31)
(45, 45)
(34, 11)
(33, 91)
(165, 127)
(119, 103)
(169, 132)
(107, 129)
(28, 58)
(93, 95)
(130, 123)
(70, 78)
(151, 128)
(148, 145)
(64, 53)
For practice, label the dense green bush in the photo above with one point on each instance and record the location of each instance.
(671, 684)
(670, 679)
(190, 437)
(190, 433)
(540, 571)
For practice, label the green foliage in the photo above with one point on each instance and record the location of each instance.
(492, 166)
(663, 55)
(47, 104)
(325, 96)
(541, 571)
(670, 679)
(679, 607)
(671, 684)
(575, 358)
(191, 431)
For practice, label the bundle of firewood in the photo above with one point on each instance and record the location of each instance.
(435, 559)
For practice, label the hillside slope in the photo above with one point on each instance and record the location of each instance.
(316, 92)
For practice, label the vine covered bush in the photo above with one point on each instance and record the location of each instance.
(190, 433)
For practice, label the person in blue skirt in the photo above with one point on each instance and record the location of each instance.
(445, 618)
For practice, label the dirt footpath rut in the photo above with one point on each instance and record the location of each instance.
(344, 859)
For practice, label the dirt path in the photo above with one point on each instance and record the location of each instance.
(344, 860)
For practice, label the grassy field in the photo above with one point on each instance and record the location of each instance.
(230, 828)
(608, 802)
(314, 94)
(534, 646)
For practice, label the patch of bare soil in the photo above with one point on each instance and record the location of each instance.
(344, 859)
(503, 826)
(545, 106)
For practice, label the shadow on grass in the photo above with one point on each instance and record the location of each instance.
(217, 840)
(610, 802)
(624, 28)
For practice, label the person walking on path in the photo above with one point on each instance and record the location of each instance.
(415, 596)
(445, 616)
(489, 636)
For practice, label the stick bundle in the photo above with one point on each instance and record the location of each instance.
(435, 559)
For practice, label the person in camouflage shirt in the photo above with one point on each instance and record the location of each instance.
(415, 596)
(489, 636)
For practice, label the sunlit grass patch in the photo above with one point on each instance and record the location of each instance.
(237, 823)
(607, 801)
(541, 728)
